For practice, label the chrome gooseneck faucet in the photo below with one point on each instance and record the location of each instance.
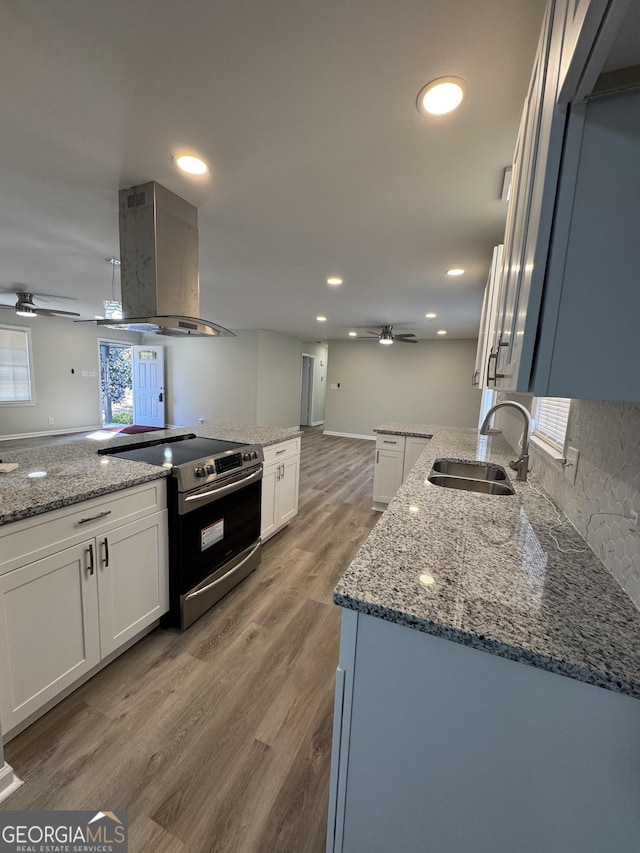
(521, 465)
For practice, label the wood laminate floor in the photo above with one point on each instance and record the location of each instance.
(219, 739)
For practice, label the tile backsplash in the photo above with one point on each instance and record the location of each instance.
(606, 492)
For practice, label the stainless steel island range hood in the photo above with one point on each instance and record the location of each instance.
(159, 265)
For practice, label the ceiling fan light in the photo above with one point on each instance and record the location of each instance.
(386, 338)
(26, 312)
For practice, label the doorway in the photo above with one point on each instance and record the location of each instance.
(306, 392)
(131, 385)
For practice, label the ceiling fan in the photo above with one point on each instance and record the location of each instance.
(386, 336)
(25, 307)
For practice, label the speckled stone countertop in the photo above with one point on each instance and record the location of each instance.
(75, 472)
(413, 430)
(483, 570)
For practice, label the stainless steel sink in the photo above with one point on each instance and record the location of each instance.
(486, 487)
(470, 469)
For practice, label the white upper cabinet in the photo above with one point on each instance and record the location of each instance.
(568, 301)
(488, 334)
(530, 215)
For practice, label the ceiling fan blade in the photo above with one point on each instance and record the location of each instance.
(404, 335)
(8, 306)
(403, 340)
(46, 312)
(370, 332)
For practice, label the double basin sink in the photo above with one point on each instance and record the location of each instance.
(471, 476)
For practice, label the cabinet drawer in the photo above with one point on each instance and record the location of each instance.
(390, 442)
(30, 539)
(281, 451)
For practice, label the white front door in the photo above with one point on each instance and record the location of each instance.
(148, 386)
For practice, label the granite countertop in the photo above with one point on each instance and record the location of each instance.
(75, 472)
(413, 430)
(484, 571)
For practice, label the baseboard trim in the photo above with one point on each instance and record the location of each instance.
(47, 434)
(316, 423)
(348, 435)
(9, 782)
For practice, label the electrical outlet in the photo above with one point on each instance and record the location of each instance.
(571, 464)
(50, 421)
(200, 420)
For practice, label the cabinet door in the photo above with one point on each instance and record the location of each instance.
(133, 579)
(412, 451)
(48, 625)
(288, 490)
(387, 475)
(269, 522)
(488, 332)
(529, 219)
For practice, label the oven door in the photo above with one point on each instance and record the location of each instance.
(214, 543)
(213, 525)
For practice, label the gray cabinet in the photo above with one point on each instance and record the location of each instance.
(441, 747)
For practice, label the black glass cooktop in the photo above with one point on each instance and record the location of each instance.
(178, 451)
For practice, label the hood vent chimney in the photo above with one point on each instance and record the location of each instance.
(159, 269)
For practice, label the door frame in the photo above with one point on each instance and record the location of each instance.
(311, 390)
(114, 342)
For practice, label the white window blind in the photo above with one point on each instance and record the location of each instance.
(552, 415)
(15, 366)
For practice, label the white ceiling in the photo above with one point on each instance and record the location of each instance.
(320, 160)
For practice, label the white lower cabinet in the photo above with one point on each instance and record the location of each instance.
(132, 579)
(48, 623)
(441, 747)
(280, 486)
(412, 451)
(387, 476)
(395, 457)
(72, 600)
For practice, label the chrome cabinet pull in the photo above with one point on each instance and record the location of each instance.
(377, 456)
(278, 452)
(95, 517)
(91, 565)
(106, 552)
(389, 441)
(282, 466)
(490, 378)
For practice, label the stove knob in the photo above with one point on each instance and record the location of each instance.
(210, 469)
(201, 472)
(246, 457)
(254, 455)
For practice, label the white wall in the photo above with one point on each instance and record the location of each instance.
(278, 399)
(321, 353)
(429, 382)
(253, 378)
(212, 378)
(71, 399)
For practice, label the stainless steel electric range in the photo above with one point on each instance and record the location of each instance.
(214, 497)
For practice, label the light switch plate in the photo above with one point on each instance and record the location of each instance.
(571, 464)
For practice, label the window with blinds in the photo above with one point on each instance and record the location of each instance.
(15, 365)
(551, 417)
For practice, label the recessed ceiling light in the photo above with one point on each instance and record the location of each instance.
(455, 271)
(442, 332)
(190, 164)
(441, 96)
(353, 334)
(334, 281)
(321, 318)
(431, 315)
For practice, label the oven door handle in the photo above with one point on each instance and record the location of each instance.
(203, 589)
(215, 493)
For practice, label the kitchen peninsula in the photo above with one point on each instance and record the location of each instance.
(488, 685)
(84, 557)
